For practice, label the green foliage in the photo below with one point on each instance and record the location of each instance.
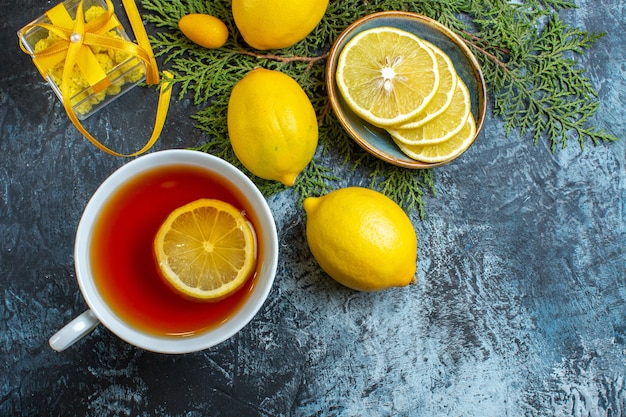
(527, 52)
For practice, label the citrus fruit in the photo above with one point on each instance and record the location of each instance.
(274, 24)
(205, 249)
(387, 75)
(444, 151)
(445, 91)
(203, 29)
(442, 127)
(272, 125)
(361, 238)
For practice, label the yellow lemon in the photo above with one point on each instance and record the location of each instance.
(274, 24)
(361, 238)
(206, 249)
(386, 75)
(443, 151)
(204, 30)
(272, 125)
(445, 92)
(442, 127)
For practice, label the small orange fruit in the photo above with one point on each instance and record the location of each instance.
(203, 29)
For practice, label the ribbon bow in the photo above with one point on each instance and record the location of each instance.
(73, 47)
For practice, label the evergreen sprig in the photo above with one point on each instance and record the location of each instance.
(527, 52)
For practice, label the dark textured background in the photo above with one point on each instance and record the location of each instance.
(520, 307)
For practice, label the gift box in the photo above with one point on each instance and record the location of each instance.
(104, 66)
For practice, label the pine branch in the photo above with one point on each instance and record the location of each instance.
(404, 186)
(537, 85)
(315, 180)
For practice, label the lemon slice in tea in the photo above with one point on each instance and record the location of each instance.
(387, 75)
(445, 92)
(442, 127)
(206, 249)
(443, 151)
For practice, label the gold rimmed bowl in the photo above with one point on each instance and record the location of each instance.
(376, 140)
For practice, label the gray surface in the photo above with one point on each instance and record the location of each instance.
(520, 306)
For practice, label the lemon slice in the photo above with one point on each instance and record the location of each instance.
(205, 249)
(387, 75)
(443, 98)
(441, 128)
(443, 151)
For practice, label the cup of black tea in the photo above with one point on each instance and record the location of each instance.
(115, 265)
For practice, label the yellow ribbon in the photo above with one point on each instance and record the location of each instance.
(73, 47)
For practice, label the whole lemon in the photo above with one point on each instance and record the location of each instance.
(361, 238)
(274, 24)
(272, 125)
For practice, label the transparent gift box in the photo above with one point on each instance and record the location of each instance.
(123, 70)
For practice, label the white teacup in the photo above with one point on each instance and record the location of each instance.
(100, 311)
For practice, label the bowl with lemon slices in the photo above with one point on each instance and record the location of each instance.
(406, 89)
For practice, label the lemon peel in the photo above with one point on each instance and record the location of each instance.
(362, 239)
(272, 125)
(274, 24)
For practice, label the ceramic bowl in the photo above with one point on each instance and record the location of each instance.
(375, 140)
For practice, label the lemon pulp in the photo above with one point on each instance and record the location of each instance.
(387, 75)
(205, 249)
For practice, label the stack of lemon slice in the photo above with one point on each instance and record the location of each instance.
(397, 81)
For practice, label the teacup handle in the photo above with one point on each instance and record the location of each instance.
(74, 331)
